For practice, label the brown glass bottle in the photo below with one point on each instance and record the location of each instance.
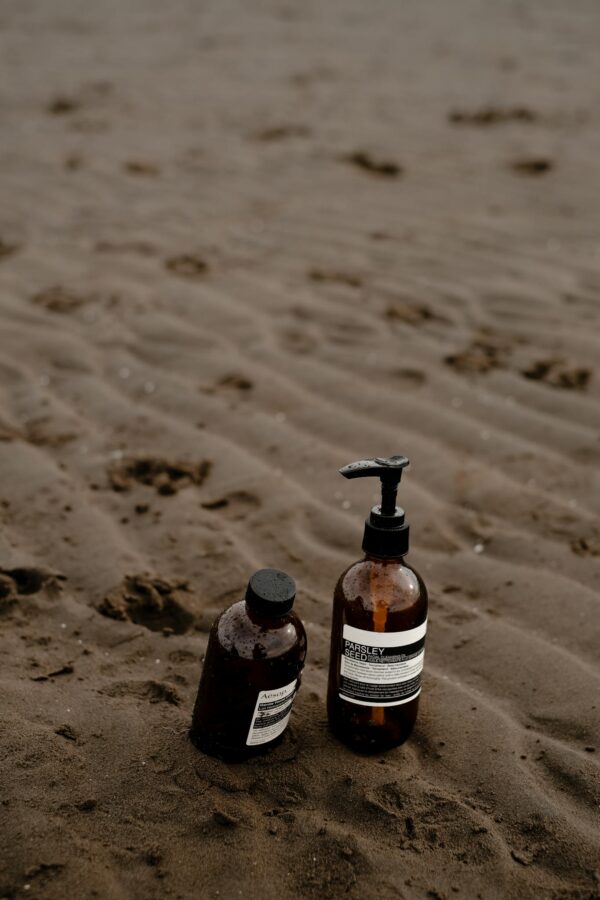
(385, 596)
(378, 627)
(255, 655)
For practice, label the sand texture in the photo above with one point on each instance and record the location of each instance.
(241, 245)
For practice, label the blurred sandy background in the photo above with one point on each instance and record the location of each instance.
(242, 244)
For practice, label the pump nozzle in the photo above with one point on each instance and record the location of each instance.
(386, 534)
(388, 470)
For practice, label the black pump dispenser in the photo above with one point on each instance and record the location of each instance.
(386, 532)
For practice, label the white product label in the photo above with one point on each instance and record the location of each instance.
(271, 714)
(381, 668)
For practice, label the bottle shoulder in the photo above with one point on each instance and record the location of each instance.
(370, 582)
(244, 635)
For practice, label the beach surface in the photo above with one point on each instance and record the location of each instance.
(241, 245)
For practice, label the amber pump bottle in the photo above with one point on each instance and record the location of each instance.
(255, 654)
(378, 628)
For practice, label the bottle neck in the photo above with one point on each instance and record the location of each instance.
(266, 620)
(385, 560)
(386, 537)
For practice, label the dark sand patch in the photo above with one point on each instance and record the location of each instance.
(493, 115)
(326, 276)
(381, 168)
(552, 371)
(262, 254)
(536, 165)
(141, 167)
(151, 601)
(233, 382)
(165, 476)
(412, 313)
(187, 265)
(281, 133)
(63, 106)
(479, 356)
(58, 299)
(8, 249)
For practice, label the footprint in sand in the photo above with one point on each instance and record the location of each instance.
(412, 314)
(73, 162)
(67, 732)
(166, 477)
(552, 371)
(183, 657)
(327, 276)
(586, 546)
(299, 340)
(412, 377)
(23, 581)
(234, 382)
(281, 133)
(425, 820)
(493, 115)
(236, 505)
(187, 265)
(141, 167)
(42, 875)
(534, 166)
(7, 249)
(57, 299)
(34, 433)
(143, 248)
(335, 863)
(38, 433)
(89, 95)
(381, 168)
(150, 601)
(480, 356)
(63, 106)
(151, 691)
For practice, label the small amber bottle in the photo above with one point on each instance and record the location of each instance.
(255, 654)
(378, 628)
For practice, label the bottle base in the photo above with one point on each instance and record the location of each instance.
(369, 741)
(372, 729)
(229, 754)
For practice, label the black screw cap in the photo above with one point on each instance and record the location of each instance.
(271, 592)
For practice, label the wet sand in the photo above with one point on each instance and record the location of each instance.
(242, 245)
